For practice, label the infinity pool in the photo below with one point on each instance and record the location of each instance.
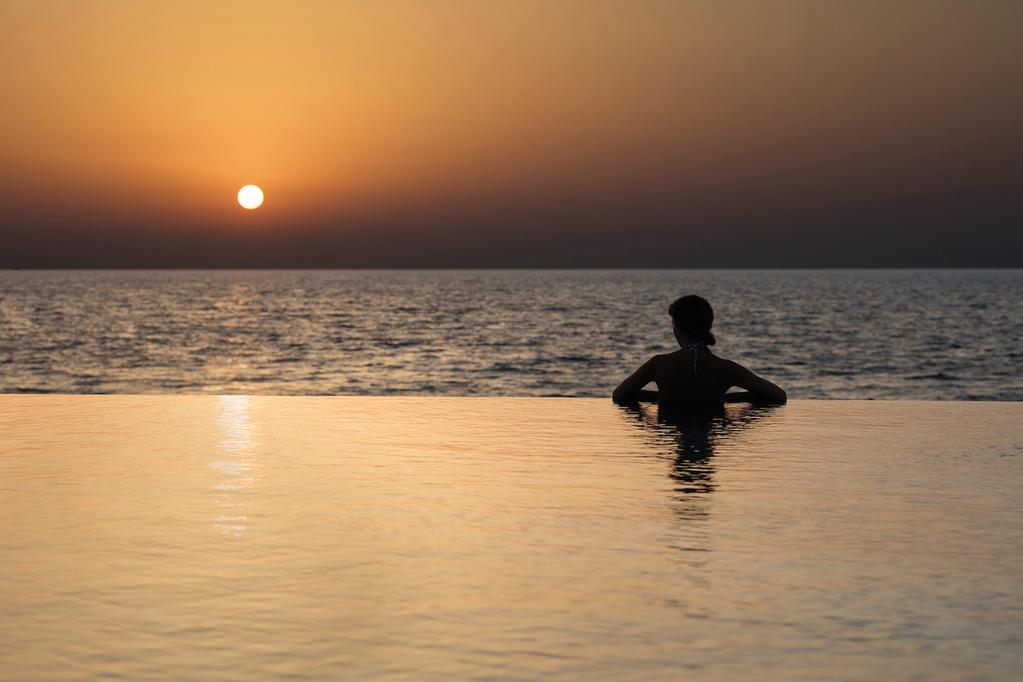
(264, 538)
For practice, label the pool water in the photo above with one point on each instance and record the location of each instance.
(248, 538)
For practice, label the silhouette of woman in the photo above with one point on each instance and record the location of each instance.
(693, 377)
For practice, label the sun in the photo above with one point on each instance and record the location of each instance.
(250, 197)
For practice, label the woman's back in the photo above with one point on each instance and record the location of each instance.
(691, 377)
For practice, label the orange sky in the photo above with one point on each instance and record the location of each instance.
(152, 114)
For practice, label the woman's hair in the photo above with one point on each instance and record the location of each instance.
(694, 317)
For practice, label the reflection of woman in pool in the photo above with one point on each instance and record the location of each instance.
(688, 438)
(693, 376)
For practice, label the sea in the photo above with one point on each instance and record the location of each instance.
(828, 334)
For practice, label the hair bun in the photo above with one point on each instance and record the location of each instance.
(708, 338)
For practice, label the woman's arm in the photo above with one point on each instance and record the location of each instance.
(762, 390)
(631, 390)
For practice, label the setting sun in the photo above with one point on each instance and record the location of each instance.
(250, 196)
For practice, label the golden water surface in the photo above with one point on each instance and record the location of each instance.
(249, 538)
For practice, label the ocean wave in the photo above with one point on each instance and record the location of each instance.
(528, 333)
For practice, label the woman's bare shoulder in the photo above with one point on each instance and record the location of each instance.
(668, 358)
(727, 365)
(729, 369)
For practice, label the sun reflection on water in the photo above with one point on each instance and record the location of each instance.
(235, 462)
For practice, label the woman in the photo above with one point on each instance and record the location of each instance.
(693, 376)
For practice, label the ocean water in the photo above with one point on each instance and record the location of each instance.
(820, 334)
(409, 538)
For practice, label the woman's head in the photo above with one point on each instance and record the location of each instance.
(693, 318)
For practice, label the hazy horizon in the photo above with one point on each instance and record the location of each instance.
(536, 134)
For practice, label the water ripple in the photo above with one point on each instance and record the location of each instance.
(827, 334)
